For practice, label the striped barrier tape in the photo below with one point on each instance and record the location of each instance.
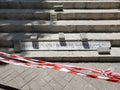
(107, 75)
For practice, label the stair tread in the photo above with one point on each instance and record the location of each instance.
(48, 4)
(115, 52)
(60, 1)
(54, 36)
(65, 11)
(61, 22)
(67, 14)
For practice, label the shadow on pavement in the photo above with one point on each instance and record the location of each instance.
(4, 87)
(2, 63)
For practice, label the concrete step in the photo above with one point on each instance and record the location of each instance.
(67, 14)
(59, 26)
(48, 4)
(6, 39)
(73, 56)
(69, 56)
(7, 50)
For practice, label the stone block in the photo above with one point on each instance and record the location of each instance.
(58, 8)
(17, 46)
(34, 37)
(83, 36)
(61, 36)
(103, 50)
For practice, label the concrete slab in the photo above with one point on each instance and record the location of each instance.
(72, 56)
(59, 26)
(9, 37)
(71, 82)
(67, 4)
(68, 14)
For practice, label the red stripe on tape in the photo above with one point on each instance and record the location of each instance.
(72, 72)
(28, 64)
(27, 58)
(6, 59)
(113, 80)
(92, 75)
(56, 67)
(13, 56)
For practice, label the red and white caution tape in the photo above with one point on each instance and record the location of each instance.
(107, 75)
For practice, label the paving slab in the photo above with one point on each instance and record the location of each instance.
(57, 81)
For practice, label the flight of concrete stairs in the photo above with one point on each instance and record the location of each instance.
(99, 19)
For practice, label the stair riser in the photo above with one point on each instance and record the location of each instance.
(6, 43)
(80, 59)
(22, 16)
(61, 16)
(88, 16)
(10, 43)
(50, 4)
(74, 55)
(59, 28)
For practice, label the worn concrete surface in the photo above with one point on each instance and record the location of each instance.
(59, 26)
(67, 14)
(48, 4)
(6, 39)
(73, 56)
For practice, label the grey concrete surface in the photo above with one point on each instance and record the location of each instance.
(67, 14)
(17, 77)
(6, 39)
(54, 36)
(59, 26)
(74, 56)
(76, 4)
